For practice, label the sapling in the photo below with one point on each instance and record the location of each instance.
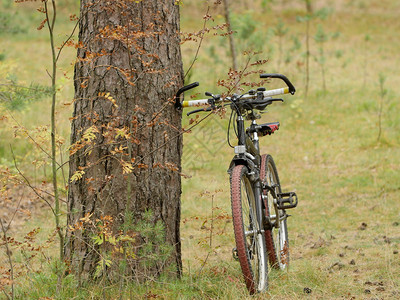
(382, 94)
(8, 251)
(310, 15)
(280, 31)
(321, 37)
(265, 5)
(307, 18)
(295, 47)
(252, 37)
(367, 38)
(49, 11)
(231, 39)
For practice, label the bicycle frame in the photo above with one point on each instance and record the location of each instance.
(248, 154)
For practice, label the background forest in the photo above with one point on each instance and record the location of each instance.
(337, 147)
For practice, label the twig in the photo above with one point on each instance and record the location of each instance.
(8, 252)
(28, 182)
(155, 115)
(211, 233)
(22, 87)
(30, 137)
(62, 169)
(201, 41)
(4, 292)
(174, 137)
(67, 40)
(15, 212)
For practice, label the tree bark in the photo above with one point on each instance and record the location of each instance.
(129, 64)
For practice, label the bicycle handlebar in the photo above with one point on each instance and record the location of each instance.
(266, 94)
(178, 104)
(291, 87)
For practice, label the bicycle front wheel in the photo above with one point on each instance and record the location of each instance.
(250, 242)
(276, 237)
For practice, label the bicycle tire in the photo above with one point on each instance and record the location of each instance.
(276, 239)
(250, 246)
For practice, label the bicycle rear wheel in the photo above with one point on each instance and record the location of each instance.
(276, 237)
(250, 242)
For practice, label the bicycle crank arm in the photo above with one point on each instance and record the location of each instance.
(287, 200)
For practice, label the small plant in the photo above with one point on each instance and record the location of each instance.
(265, 5)
(8, 25)
(25, 256)
(295, 47)
(138, 244)
(15, 96)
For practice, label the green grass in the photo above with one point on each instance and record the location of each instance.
(326, 150)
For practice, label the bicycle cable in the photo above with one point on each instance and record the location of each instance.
(229, 126)
(230, 120)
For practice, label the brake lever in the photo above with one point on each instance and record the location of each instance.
(262, 106)
(199, 110)
(277, 99)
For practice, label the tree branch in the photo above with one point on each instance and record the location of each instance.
(201, 41)
(28, 182)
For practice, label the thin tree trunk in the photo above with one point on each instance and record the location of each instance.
(231, 39)
(309, 15)
(51, 22)
(131, 51)
(323, 67)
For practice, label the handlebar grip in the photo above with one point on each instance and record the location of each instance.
(291, 87)
(178, 104)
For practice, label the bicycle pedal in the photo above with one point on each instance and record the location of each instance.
(235, 254)
(287, 200)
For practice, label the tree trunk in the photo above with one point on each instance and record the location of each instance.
(126, 147)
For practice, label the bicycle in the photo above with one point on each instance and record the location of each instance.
(258, 204)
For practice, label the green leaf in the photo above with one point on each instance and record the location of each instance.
(98, 239)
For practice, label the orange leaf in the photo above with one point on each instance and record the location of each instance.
(42, 24)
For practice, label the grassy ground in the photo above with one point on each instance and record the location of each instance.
(344, 235)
